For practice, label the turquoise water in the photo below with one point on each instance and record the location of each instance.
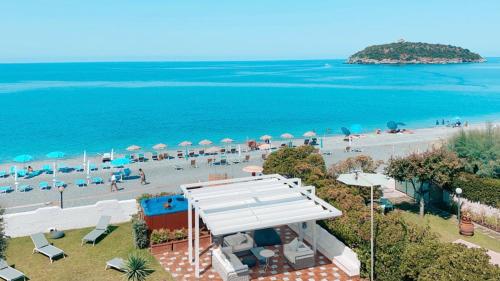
(99, 106)
(156, 206)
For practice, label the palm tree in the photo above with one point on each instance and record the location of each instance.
(136, 268)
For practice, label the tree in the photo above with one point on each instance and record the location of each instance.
(136, 268)
(363, 162)
(437, 166)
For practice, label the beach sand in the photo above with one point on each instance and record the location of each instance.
(162, 176)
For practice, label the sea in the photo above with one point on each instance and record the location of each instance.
(72, 107)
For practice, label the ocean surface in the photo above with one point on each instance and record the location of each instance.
(98, 106)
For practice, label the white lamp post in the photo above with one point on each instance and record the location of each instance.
(458, 191)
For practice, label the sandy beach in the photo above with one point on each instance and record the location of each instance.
(165, 175)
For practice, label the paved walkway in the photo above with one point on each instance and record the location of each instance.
(177, 263)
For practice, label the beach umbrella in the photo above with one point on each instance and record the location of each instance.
(159, 146)
(227, 140)
(392, 125)
(264, 146)
(23, 158)
(265, 137)
(253, 169)
(345, 131)
(286, 136)
(55, 155)
(15, 177)
(185, 143)
(133, 148)
(213, 149)
(120, 161)
(205, 142)
(356, 128)
(309, 134)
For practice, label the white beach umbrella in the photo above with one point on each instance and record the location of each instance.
(253, 169)
(159, 146)
(309, 134)
(205, 142)
(185, 143)
(287, 136)
(265, 146)
(133, 148)
(265, 137)
(227, 140)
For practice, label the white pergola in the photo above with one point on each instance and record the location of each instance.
(251, 203)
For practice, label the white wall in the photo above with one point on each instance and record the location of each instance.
(332, 248)
(43, 219)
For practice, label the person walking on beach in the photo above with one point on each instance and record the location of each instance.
(113, 182)
(143, 176)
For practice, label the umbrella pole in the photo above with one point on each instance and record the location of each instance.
(15, 177)
(54, 176)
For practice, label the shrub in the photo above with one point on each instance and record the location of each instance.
(363, 162)
(149, 195)
(166, 235)
(482, 190)
(3, 238)
(136, 268)
(140, 233)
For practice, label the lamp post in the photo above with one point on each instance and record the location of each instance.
(61, 190)
(458, 191)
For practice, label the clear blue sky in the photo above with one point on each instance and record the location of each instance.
(91, 30)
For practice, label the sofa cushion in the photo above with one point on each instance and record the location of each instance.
(266, 237)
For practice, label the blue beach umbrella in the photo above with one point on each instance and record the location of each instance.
(345, 131)
(120, 162)
(55, 155)
(23, 158)
(356, 128)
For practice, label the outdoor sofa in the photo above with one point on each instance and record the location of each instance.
(298, 254)
(228, 265)
(239, 243)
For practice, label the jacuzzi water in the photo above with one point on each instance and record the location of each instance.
(156, 206)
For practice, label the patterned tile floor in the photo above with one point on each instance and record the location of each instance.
(178, 265)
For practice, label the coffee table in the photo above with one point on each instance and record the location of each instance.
(256, 252)
(266, 254)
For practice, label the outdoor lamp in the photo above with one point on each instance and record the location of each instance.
(61, 190)
(458, 191)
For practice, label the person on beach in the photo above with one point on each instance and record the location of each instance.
(30, 169)
(143, 176)
(113, 182)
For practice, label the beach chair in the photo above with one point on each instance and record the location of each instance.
(178, 167)
(10, 274)
(105, 166)
(12, 170)
(43, 185)
(80, 182)
(22, 173)
(210, 161)
(180, 154)
(24, 188)
(6, 189)
(154, 156)
(233, 150)
(34, 174)
(42, 246)
(97, 180)
(60, 184)
(3, 174)
(100, 229)
(63, 168)
(116, 263)
(306, 142)
(193, 163)
(223, 162)
(79, 168)
(140, 157)
(247, 158)
(93, 167)
(126, 173)
(191, 154)
(264, 156)
(47, 169)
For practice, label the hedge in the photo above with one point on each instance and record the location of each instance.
(476, 189)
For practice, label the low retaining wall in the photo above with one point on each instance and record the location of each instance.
(332, 248)
(44, 219)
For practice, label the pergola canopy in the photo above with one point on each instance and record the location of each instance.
(243, 204)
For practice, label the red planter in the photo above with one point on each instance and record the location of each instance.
(177, 246)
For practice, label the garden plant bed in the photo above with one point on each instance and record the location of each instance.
(176, 245)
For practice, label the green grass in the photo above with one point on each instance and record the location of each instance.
(447, 229)
(81, 263)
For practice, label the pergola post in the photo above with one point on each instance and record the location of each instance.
(190, 231)
(315, 239)
(197, 242)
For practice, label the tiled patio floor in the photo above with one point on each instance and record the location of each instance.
(177, 264)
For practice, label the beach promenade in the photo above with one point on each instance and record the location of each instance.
(168, 175)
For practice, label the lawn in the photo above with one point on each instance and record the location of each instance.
(81, 263)
(448, 230)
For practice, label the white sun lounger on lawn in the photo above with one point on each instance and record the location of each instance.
(10, 274)
(100, 229)
(42, 246)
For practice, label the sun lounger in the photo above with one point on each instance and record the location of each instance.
(154, 156)
(79, 168)
(126, 173)
(247, 158)
(60, 184)
(42, 246)
(116, 263)
(80, 182)
(63, 168)
(22, 173)
(10, 274)
(105, 166)
(100, 229)
(193, 163)
(5, 189)
(12, 170)
(97, 180)
(93, 167)
(47, 169)
(24, 188)
(140, 157)
(44, 185)
(34, 174)
(3, 174)
(178, 167)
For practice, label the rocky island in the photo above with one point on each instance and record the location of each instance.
(402, 52)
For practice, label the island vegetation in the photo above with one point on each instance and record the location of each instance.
(403, 52)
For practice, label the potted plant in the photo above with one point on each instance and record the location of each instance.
(466, 226)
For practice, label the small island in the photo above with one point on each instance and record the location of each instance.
(403, 52)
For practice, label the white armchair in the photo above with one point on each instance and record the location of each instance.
(298, 254)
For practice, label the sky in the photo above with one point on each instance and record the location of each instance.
(130, 30)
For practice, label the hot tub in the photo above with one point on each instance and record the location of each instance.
(169, 212)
